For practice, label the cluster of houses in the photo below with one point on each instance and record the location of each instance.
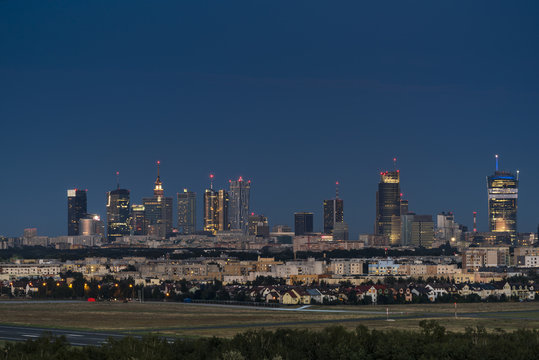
(399, 293)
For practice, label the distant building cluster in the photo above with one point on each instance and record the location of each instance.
(227, 221)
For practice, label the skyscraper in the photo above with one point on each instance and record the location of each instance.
(502, 190)
(215, 209)
(238, 214)
(158, 211)
(211, 206)
(138, 220)
(303, 223)
(118, 213)
(223, 210)
(333, 212)
(388, 203)
(76, 210)
(187, 212)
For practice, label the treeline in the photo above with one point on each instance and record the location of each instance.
(431, 342)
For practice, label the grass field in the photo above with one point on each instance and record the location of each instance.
(177, 319)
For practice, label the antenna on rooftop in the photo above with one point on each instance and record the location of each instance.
(336, 190)
(394, 163)
(496, 162)
(211, 181)
(518, 174)
(117, 179)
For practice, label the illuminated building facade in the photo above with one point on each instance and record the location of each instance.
(211, 205)
(138, 220)
(187, 212)
(118, 214)
(216, 211)
(76, 210)
(238, 210)
(158, 211)
(502, 190)
(303, 223)
(388, 206)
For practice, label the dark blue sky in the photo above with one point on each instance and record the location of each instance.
(292, 95)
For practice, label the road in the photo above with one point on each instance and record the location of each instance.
(75, 337)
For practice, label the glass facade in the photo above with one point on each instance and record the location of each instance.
(76, 210)
(138, 220)
(303, 223)
(118, 214)
(158, 212)
(502, 190)
(187, 212)
(238, 211)
(333, 213)
(388, 205)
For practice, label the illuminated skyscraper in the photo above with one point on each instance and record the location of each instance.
(187, 212)
(76, 210)
(502, 190)
(118, 213)
(303, 223)
(388, 203)
(158, 211)
(223, 210)
(333, 212)
(211, 205)
(138, 220)
(215, 209)
(238, 214)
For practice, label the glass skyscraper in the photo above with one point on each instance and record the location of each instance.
(118, 214)
(303, 223)
(76, 210)
(333, 213)
(502, 190)
(187, 212)
(388, 203)
(238, 212)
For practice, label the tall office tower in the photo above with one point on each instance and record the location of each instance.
(502, 202)
(340, 231)
(333, 211)
(76, 210)
(258, 226)
(223, 210)
(187, 212)
(406, 228)
(158, 211)
(138, 220)
(118, 213)
(303, 223)
(211, 206)
(422, 231)
(388, 204)
(238, 212)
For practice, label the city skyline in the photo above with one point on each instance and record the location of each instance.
(331, 93)
(318, 218)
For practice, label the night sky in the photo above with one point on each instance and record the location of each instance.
(292, 95)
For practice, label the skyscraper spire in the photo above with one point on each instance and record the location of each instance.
(211, 181)
(395, 163)
(336, 190)
(496, 162)
(158, 189)
(117, 179)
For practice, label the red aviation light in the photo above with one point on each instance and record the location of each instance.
(240, 179)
